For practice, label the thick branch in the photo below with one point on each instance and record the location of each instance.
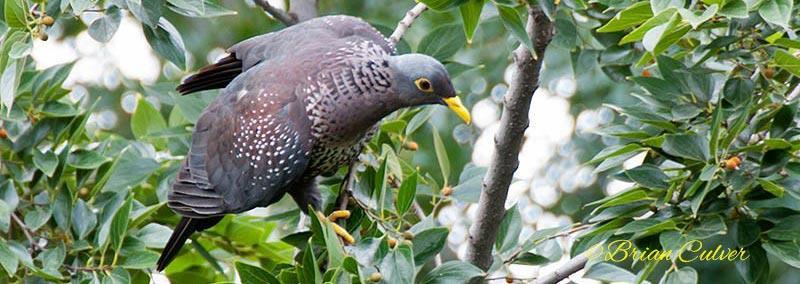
(572, 266)
(508, 141)
(276, 13)
(406, 22)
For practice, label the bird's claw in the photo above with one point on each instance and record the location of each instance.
(339, 214)
(343, 234)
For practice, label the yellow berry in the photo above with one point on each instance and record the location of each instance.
(48, 21)
(447, 191)
(375, 277)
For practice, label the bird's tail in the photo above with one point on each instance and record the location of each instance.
(185, 228)
(214, 76)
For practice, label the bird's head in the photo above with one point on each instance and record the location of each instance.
(422, 80)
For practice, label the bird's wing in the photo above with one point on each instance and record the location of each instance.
(281, 44)
(248, 146)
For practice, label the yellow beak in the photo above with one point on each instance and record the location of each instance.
(454, 103)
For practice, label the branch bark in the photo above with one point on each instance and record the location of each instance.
(276, 13)
(572, 266)
(508, 140)
(406, 22)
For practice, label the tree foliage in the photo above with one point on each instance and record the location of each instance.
(713, 110)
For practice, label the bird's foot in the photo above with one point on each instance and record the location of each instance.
(339, 214)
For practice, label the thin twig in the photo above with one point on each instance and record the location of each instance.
(571, 231)
(406, 22)
(508, 141)
(569, 268)
(86, 268)
(280, 15)
(27, 231)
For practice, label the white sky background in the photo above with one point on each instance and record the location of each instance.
(538, 184)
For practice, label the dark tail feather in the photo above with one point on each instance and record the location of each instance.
(185, 228)
(214, 76)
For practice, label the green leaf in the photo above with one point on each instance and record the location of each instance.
(734, 9)
(709, 226)
(78, 6)
(621, 198)
(737, 90)
(15, 11)
(87, 160)
(441, 156)
(771, 187)
(787, 61)
(746, 232)
(470, 183)
(310, 270)
(661, 37)
(418, 120)
(146, 120)
(120, 276)
(191, 6)
(628, 18)
(615, 150)
(131, 168)
(755, 269)
(659, 6)
(452, 272)
(83, 220)
(441, 5)
(8, 260)
(142, 259)
(394, 126)
(252, 274)
(510, 228)
(119, 224)
(20, 49)
(638, 33)
(688, 145)
(776, 12)
(406, 194)
(443, 42)
(428, 243)
(513, 23)
(36, 218)
(647, 227)
(531, 259)
(684, 275)
(609, 273)
(53, 257)
(696, 18)
(46, 162)
(398, 265)
(786, 229)
(471, 16)
(8, 85)
(788, 252)
(648, 176)
(62, 209)
(103, 29)
(147, 11)
(167, 42)
(211, 9)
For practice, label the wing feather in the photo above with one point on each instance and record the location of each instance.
(248, 147)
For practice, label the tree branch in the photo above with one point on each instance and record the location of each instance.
(572, 266)
(508, 140)
(278, 14)
(406, 22)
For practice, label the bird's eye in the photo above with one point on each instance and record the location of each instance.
(423, 84)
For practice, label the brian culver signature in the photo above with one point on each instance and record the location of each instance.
(622, 250)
